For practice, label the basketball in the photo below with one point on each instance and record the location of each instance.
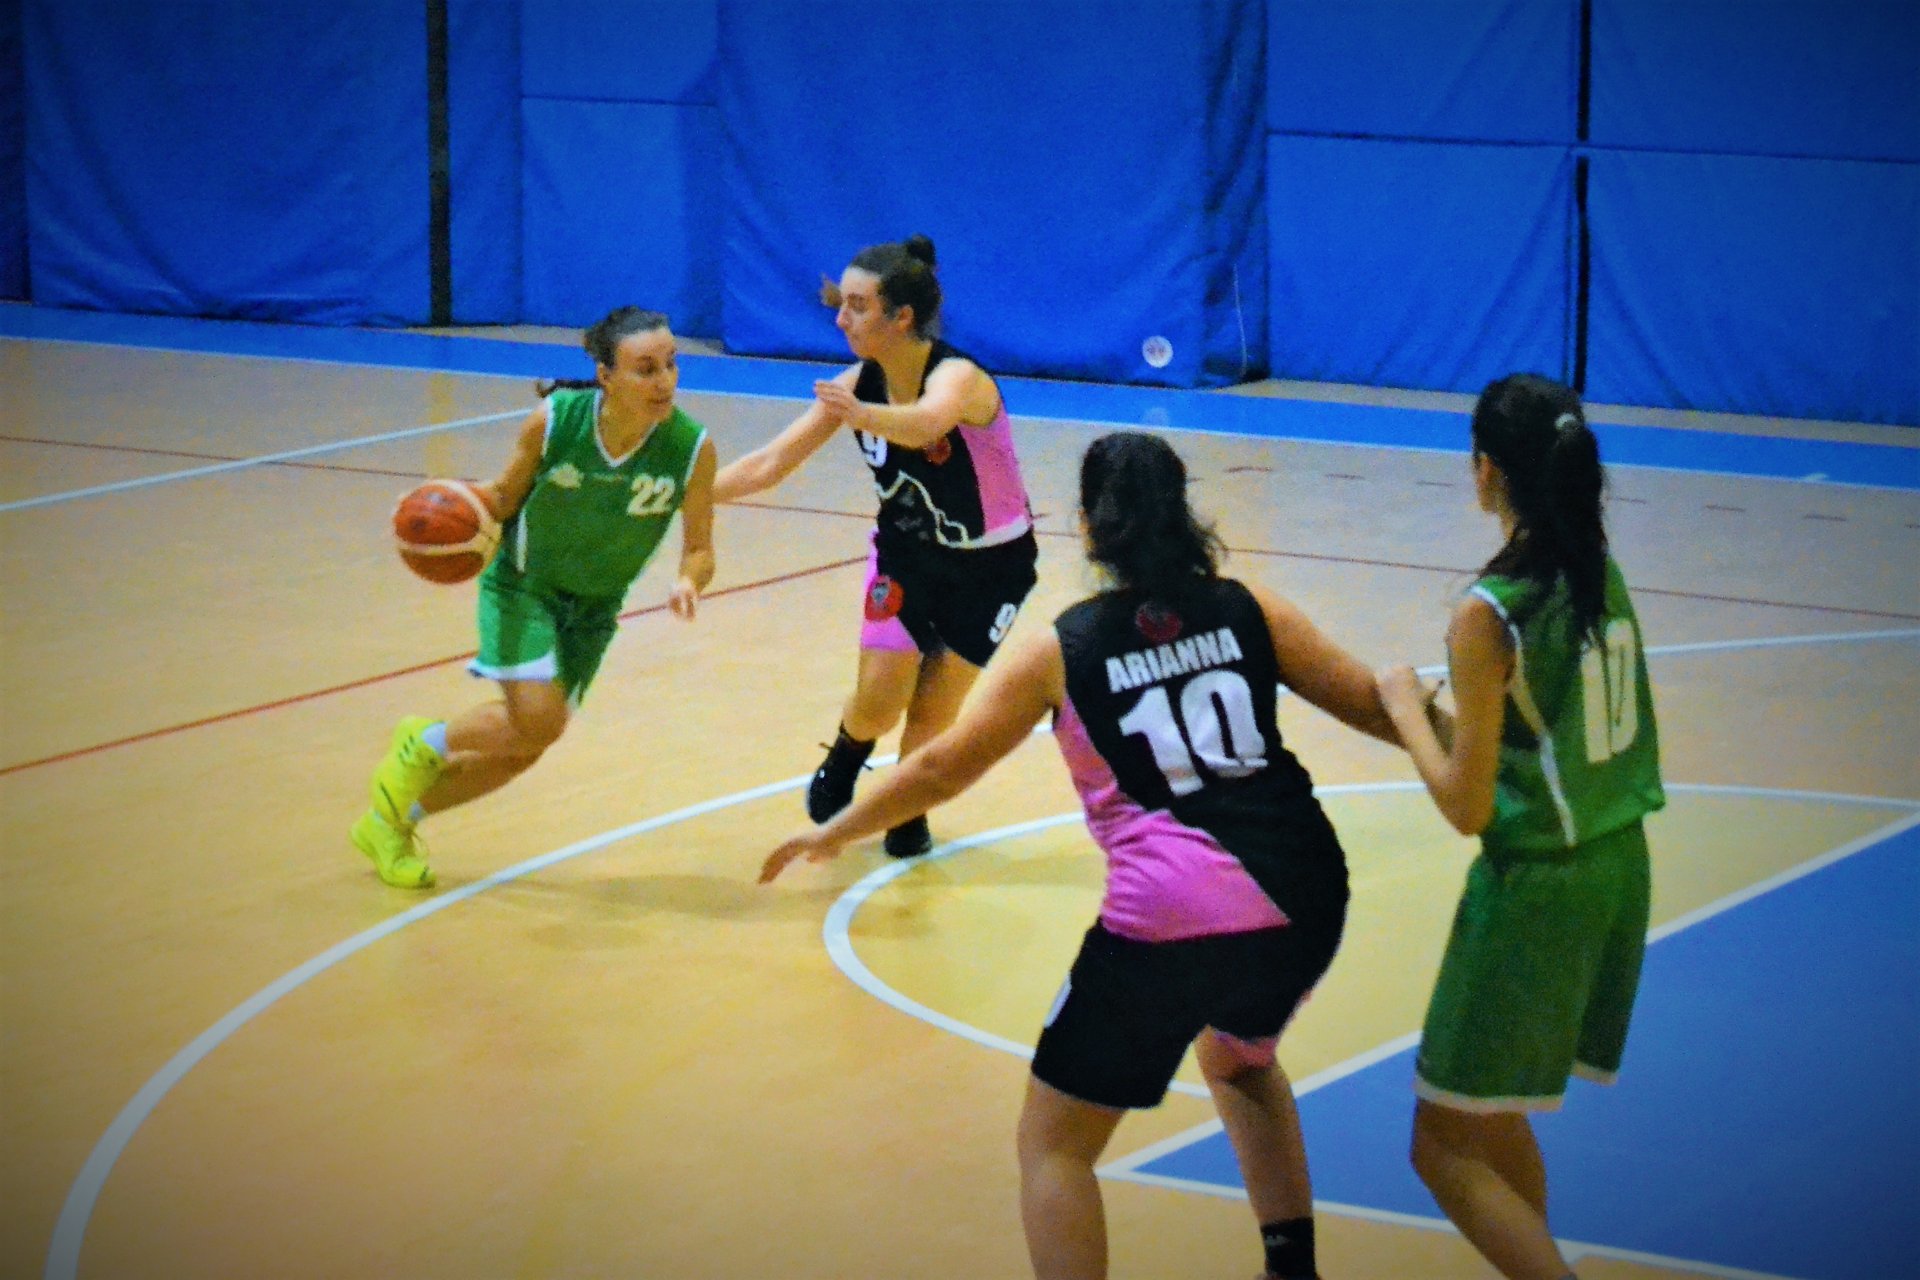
(445, 530)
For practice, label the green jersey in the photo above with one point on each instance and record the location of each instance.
(591, 522)
(1579, 752)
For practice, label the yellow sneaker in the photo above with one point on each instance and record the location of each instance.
(403, 776)
(396, 851)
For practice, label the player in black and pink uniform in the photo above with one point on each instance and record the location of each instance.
(1226, 886)
(953, 548)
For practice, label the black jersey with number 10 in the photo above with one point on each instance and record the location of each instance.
(1179, 702)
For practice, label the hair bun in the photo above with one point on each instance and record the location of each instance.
(920, 247)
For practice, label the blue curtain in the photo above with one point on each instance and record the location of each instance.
(622, 207)
(1089, 223)
(622, 168)
(13, 145)
(483, 135)
(1418, 264)
(228, 158)
(1837, 78)
(1754, 284)
(1468, 70)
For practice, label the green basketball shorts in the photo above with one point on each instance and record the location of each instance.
(1539, 977)
(531, 633)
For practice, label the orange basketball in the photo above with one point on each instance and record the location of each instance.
(445, 530)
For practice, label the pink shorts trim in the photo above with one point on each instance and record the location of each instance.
(888, 635)
(1263, 1052)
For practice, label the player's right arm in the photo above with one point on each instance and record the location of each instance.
(1319, 670)
(1024, 682)
(777, 459)
(516, 482)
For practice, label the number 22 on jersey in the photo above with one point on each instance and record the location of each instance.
(1215, 725)
(652, 496)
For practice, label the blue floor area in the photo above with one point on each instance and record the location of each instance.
(1881, 466)
(1768, 1114)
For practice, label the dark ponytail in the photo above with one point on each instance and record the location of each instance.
(907, 279)
(1534, 430)
(1133, 493)
(602, 341)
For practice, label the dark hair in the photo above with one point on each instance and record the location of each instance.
(1534, 430)
(602, 341)
(907, 279)
(1133, 493)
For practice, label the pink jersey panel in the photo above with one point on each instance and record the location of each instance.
(1003, 494)
(1165, 880)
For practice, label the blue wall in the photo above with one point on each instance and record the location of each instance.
(1702, 204)
(1086, 226)
(620, 180)
(483, 139)
(1756, 284)
(228, 158)
(1695, 203)
(1755, 206)
(13, 147)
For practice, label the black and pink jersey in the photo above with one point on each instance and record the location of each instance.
(1208, 822)
(961, 492)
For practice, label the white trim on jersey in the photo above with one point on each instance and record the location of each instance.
(991, 538)
(600, 441)
(1522, 696)
(693, 460)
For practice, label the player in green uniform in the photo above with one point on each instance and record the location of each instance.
(1551, 757)
(599, 471)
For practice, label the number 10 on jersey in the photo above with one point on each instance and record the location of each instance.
(1216, 725)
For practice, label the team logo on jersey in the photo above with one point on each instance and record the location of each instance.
(940, 450)
(566, 475)
(1158, 625)
(884, 598)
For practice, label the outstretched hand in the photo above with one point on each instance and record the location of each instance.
(812, 846)
(684, 600)
(1402, 686)
(839, 402)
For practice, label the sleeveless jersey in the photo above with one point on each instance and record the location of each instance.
(1208, 822)
(1579, 751)
(591, 522)
(962, 492)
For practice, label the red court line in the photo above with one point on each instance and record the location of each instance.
(1469, 572)
(208, 457)
(1459, 571)
(367, 681)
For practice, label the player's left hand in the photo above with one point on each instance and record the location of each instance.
(684, 600)
(841, 403)
(1402, 686)
(812, 846)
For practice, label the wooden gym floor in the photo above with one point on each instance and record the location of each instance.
(597, 1049)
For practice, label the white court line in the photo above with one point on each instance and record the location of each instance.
(239, 464)
(835, 931)
(837, 936)
(1147, 420)
(1729, 646)
(1768, 642)
(63, 1258)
